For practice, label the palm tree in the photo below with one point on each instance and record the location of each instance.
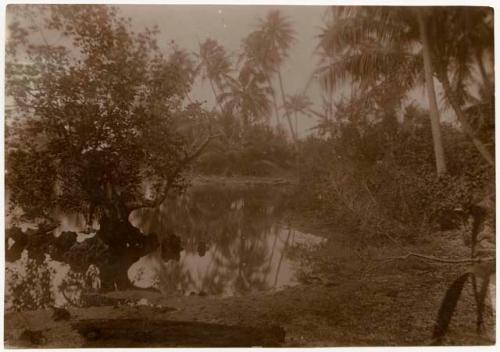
(378, 44)
(298, 104)
(268, 47)
(462, 41)
(248, 97)
(431, 94)
(214, 66)
(327, 55)
(255, 55)
(455, 43)
(185, 65)
(277, 35)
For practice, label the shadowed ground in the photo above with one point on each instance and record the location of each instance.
(168, 333)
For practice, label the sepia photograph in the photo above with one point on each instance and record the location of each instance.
(248, 175)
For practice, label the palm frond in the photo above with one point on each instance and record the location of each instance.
(353, 31)
(367, 66)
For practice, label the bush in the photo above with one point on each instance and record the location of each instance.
(32, 284)
(380, 182)
(28, 284)
(259, 151)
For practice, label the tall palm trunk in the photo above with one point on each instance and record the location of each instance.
(217, 102)
(329, 114)
(431, 94)
(297, 163)
(287, 113)
(273, 96)
(296, 122)
(454, 102)
(482, 69)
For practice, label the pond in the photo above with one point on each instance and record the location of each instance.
(234, 240)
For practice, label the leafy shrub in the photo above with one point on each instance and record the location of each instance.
(384, 182)
(259, 151)
(28, 284)
(31, 284)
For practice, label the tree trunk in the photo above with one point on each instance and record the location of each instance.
(329, 114)
(215, 96)
(431, 94)
(287, 114)
(480, 146)
(296, 123)
(486, 81)
(275, 103)
(297, 164)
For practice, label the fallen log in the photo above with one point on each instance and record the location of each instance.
(168, 333)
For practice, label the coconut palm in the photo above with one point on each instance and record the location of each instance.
(451, 42)
(248, 96)
(268, 47)
(462, 50)
(298, 104)
(254, 54)
(431, 93)
(374, 45)
(214, 66)
(277, 35)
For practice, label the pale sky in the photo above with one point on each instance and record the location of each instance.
(189, 25)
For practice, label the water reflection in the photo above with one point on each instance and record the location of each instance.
(234, 242)
(212, 241)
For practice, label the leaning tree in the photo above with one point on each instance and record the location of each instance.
(397, 45)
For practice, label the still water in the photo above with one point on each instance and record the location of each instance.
(235, 241)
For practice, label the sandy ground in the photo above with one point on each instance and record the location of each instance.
(347, 299)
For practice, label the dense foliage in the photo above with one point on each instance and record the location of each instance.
(385, 164)
(258, 151)
(385, 183)
(95, 118)
(28, 285)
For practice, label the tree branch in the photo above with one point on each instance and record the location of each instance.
(438, 259)
(480, 146)
(198, 150)
(153, 203)
(426, 258)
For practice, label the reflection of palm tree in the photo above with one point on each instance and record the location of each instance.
(251, 269)
(281, 258)
(238, 236)
(276, 235)
(244, 256)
